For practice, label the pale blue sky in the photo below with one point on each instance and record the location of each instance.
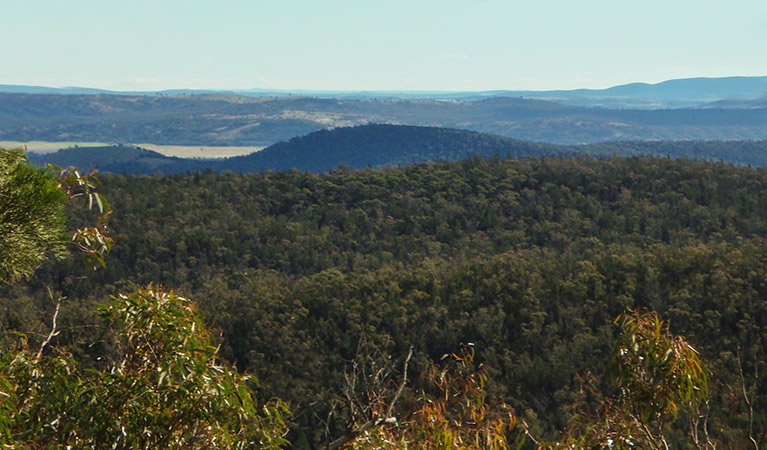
(382, 45)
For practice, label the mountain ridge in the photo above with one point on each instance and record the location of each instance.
(672, 93)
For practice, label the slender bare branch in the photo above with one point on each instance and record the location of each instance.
(53, 332)
(387, 418)
(390, 409)
(746, 398)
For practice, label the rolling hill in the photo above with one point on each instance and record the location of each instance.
(119, 159)
(384, 145)
(380, 146)
(320, 151)
(229, 119)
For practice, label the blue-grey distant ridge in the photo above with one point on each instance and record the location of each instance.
(701, 92)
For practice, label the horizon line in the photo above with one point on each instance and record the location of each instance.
(363, 91)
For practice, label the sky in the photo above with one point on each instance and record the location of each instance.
(413, 45)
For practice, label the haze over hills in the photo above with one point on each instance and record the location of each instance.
(238, 120)
(681, 93)
(686, 92)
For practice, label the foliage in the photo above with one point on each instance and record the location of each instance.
(657, 374)
(166, 390)
(92, 241)
(31, 216)
(455, 414)
(657, 371)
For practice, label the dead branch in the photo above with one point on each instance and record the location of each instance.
(53, 332)
(746, 398)
(374, 422)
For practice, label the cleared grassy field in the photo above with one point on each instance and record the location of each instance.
(181, 151)
(48, 147)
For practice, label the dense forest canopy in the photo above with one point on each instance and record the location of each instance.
(530, 260)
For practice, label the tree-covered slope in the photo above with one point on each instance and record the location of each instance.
(120, 159)
(320, 151)
(531, 260)
(381, 146)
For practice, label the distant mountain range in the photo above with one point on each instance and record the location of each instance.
(221, 119)
(387, 145)
(680, 93)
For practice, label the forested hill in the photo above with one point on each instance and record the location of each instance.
(120, 159)
(381, 146)
(399, 145)
(320, 151)
(531, 260)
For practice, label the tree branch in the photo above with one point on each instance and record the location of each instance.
(387, 418)
(53, 332)
(747, 400)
